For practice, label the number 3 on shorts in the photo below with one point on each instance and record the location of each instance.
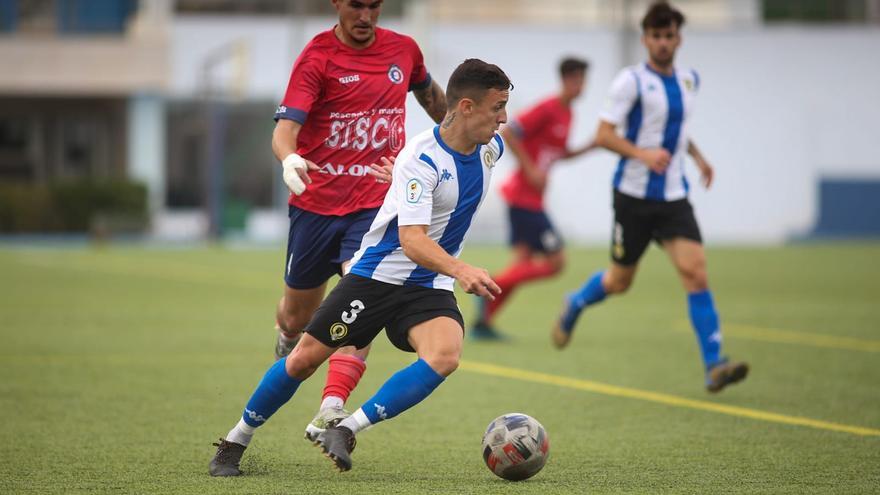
(356, 307)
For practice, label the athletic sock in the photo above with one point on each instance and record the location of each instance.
(514, 275)
(343, 375)
(403, 390)
(274, 390)
(590, 293)
(241, 433)
(704, 319)
(332, 402)
(358, 421)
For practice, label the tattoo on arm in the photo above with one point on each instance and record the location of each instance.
(432, 100)
(448, 120)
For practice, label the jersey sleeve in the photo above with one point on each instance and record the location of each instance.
(303, 89)
(415, 178)
(623, 95)
(419, 78)
(497, 146)
(530, 121)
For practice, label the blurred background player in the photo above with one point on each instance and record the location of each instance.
(403, 274)
(538, 138)
(335, 119)
(653, 101)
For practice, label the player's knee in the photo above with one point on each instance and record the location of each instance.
(444, 363)
(617, 285)
(299, 367)
(292, 323)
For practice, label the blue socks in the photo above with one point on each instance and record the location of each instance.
(704, 318)
(592, 292)
(274, 390)
(403, 390)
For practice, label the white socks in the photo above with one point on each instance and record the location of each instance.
(356, 422)
(241, 434)
(332, 402)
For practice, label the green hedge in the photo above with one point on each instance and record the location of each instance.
(73, 207)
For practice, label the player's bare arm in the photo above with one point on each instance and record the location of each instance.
(657, 159)
(573, 153)
(707, 173)
(296, 168)
(433, 100)
(426, 253)
(536, 177)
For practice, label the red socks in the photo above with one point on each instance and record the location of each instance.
(343, 376)
(516, 274)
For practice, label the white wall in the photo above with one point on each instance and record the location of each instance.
(780, 108)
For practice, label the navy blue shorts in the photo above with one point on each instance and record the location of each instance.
(317, 245)
(534, 229)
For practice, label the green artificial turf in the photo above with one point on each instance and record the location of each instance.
(119, 366)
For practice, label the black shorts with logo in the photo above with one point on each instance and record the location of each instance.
(358, 308)
(637, 221)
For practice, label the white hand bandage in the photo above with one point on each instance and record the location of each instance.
(291, 164)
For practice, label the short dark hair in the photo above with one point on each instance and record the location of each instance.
(572, 65)
(662, 15)
(472, 78)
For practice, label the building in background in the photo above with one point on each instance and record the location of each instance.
(179, 95)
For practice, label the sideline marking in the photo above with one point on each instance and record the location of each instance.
(670, 400)
(779, 336)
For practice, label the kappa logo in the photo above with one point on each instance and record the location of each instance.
(446, 176)
(395, 75)
(380, 410)
(350, 79)
(254, 416)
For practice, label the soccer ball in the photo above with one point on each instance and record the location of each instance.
(515, 446)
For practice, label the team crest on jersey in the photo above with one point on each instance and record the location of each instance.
(395, 75)
(689, 84)
(338, 331)
(414, 191)
(489, 158)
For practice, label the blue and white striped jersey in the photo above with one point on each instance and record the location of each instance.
(653, 110)
(432, 185)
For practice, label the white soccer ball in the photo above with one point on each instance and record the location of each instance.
(515, 446)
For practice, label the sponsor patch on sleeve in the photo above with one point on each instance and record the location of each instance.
(414, 189)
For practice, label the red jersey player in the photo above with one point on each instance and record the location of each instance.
(538, 138)
(343, 113)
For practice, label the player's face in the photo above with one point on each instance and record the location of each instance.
(358, 18)
(573, 84)
(661, 44)
(487, 115)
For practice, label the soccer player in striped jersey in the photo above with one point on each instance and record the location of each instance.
(403, 273)
(342, 116)
(653, 102)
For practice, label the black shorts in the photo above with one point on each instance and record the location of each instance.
(638, 221)
(534, 229)
(358, 308)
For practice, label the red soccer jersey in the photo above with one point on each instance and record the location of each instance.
(351, 104)
(543, 129)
